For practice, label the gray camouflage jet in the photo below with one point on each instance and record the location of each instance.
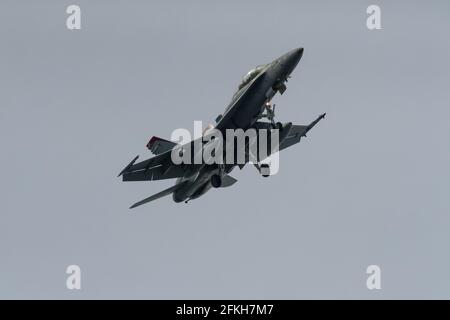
(249, 105)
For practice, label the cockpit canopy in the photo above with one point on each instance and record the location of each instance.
(250, 76)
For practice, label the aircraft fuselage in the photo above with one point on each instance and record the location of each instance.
(258, 91)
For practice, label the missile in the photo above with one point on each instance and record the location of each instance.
(312, 124)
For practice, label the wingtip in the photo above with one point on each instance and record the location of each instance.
(128, 166)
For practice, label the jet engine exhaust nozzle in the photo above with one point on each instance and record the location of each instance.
(216, 181)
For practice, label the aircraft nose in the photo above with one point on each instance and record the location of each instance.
(290, 60)
(293, 57)
(296, 54)
(300, 53)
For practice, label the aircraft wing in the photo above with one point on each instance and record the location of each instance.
(159, 167)
(294, 136)
(297, 132)
(155, 173)
(158, 160)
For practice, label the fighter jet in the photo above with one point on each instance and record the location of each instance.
(249, 106)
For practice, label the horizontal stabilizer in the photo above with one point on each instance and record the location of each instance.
(158, 195)
(227, 181)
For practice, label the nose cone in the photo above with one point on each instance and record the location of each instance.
(295, 55)
(288, 62)
(292, 58)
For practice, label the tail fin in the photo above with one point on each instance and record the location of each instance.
(159, 145)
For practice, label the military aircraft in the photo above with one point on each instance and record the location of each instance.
(249, 105)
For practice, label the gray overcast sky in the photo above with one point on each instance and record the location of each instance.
(370, 184)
